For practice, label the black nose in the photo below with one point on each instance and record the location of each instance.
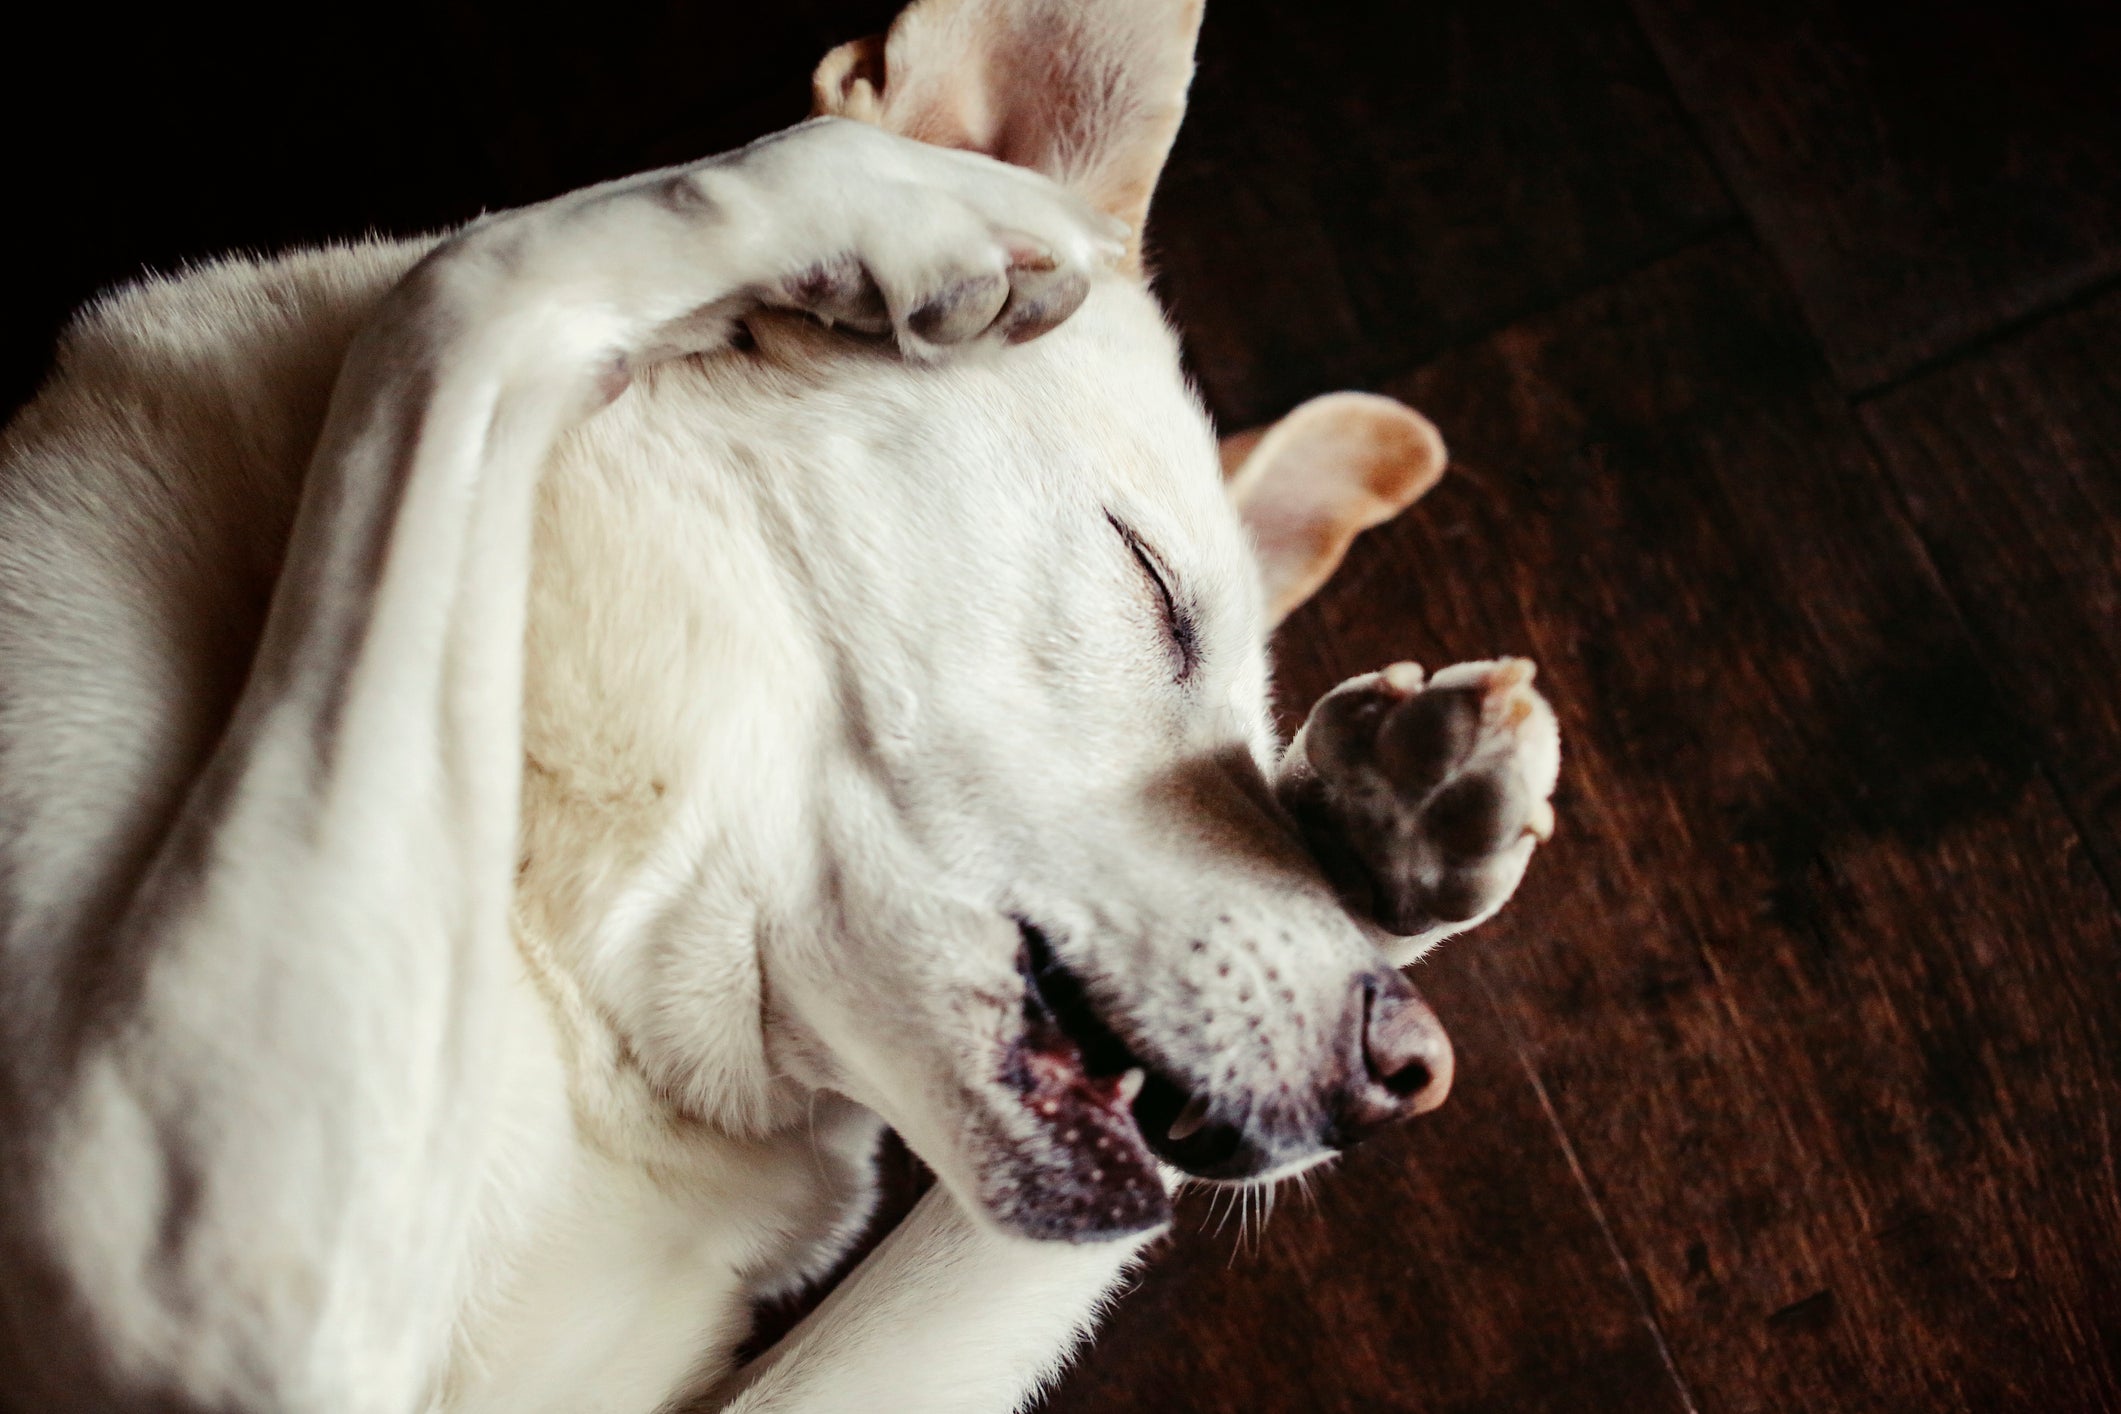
(1405, 1062)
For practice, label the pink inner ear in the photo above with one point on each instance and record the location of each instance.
(1090, 92)
(1308, 485)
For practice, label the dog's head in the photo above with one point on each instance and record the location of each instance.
(1065, 928)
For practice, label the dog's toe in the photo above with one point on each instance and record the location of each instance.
(963, 308)
(840, 292)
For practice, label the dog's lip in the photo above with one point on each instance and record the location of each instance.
(1167, 1118)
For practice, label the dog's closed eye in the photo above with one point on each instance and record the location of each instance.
(1179, 626)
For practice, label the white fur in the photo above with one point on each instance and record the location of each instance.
(477, 871)
(300, 1129)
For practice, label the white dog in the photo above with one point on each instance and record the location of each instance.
(521, 752)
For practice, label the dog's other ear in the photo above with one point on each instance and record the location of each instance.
(1089, 92)
(1311, 483)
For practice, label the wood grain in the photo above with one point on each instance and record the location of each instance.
(1361, 184)
(1824, 996)
(2009, 463)
(1926, 173)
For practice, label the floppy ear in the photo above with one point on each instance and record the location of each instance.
(1308, 485)
(1089, 92)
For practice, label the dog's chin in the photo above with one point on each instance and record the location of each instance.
(1100, 1117)
(1083, 1174)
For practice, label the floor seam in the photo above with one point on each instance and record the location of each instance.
(1638, 1292)
(2003, 332)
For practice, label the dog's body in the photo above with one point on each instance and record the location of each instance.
(518, 760)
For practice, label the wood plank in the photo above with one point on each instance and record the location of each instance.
(1819, 979)
(2010, 466)
(1448, 1266)
(1925, 173)
(1358, 188)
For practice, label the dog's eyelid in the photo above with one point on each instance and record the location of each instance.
(1155, 568)
(1178, 619)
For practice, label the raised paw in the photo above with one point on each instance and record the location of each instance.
(934, 247)
(1426, 799)
(1011, 285)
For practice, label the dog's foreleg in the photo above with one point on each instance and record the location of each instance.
(261, 1186)
(945, 1317)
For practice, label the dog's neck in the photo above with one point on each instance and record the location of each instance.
(673, 700)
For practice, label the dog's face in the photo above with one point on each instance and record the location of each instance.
(1068, 931)
(1059, 870)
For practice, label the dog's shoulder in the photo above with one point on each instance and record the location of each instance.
(237, 326)
(146, 497)
(175, 388)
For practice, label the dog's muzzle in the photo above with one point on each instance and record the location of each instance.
(1395, 1062)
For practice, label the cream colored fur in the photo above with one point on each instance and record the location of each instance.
(520, 753)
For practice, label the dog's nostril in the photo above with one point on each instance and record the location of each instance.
(1409, 1079)
(1405, 1054)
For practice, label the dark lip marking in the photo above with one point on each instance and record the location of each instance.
(1110, 1185)
(1056, 998)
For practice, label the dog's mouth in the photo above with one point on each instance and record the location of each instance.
(1103, 1102)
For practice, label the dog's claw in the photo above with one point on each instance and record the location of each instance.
(1404, 677)
(1028, 253)
(1513, 674)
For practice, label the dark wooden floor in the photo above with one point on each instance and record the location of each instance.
(1780, 349)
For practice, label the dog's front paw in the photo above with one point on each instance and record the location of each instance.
(1425, 799)
(1009, 284)
(934, 247)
